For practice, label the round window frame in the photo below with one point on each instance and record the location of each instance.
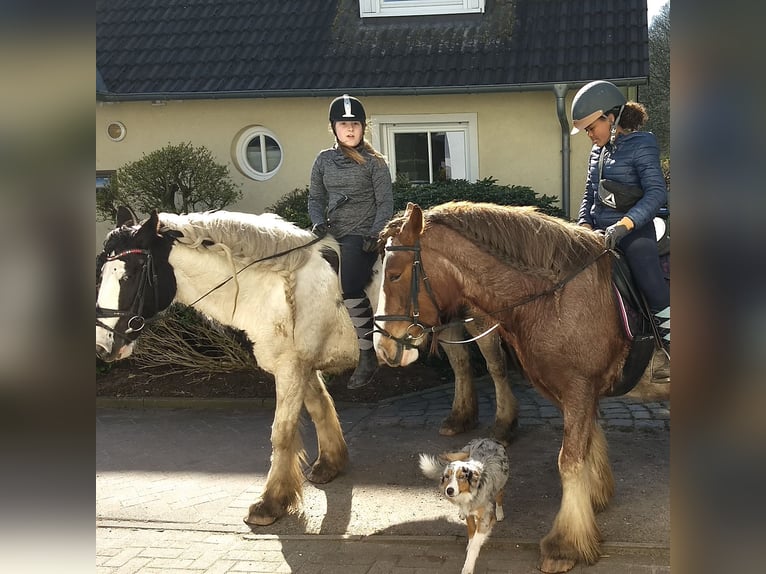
(121, 127)
(243, 140)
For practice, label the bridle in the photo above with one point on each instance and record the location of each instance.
(417, 329)
(149, 279)
(137, 321)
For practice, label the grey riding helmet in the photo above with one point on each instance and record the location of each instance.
(594, 100)
(347, 108)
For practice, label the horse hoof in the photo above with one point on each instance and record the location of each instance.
(453, 426)
(322, 472)
(262, 514)
(556, 565)
(505, 433)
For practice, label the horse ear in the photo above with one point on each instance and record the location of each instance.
(413, 225)
(126, 216)
(150, 229)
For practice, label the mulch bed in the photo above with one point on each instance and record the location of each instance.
(125, 379)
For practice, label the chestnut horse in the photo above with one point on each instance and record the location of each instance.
(547, 285)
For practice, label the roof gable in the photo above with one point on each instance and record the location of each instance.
(243, 48)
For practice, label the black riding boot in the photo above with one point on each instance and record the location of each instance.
(661, 359)
(361, 316)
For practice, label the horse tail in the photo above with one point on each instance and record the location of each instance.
(430, 467)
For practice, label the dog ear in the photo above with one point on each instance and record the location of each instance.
(473, 475)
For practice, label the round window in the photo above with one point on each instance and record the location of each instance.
(116, 131)
(257, 153)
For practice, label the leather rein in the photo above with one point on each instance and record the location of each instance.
(417, 329)
(149, 279)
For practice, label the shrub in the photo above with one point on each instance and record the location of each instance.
(294, 205)
(483, 190)
(175, 179)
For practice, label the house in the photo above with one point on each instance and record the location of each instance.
(454, 88)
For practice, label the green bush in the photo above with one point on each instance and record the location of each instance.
(483, 190)
(176, 179)
(294, 205)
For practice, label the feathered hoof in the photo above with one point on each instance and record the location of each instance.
(323, 472)
(454, 425)
(555, 556)
(553, 565)
(504, 432)
(263, 513)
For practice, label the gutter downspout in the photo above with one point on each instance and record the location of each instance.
(560, 90)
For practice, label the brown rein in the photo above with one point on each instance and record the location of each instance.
(409, 340)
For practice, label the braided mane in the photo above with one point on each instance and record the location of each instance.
(520, 236)
(241, 237)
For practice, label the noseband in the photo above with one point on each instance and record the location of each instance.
(137, 321)
(417, 329)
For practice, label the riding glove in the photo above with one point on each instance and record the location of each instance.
(614, 233)
(370, 244)
(319, 229)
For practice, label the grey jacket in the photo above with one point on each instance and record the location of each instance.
(370, 203)
(633, 160)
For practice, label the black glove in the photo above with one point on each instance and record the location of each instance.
(370, 244)
(614, 233)
(319, 229)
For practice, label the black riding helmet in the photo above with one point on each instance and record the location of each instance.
(347, 108)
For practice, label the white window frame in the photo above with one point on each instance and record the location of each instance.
(377, 8)
(240, 152)
(388, 126)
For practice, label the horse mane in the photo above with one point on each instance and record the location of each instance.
(520, 236)
(241, 237)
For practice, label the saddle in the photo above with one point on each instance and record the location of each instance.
(637, 323)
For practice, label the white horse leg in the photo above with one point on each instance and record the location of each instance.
(332, 450)
(465, 407)
(284, 484)
(506, 406)
(574, 536)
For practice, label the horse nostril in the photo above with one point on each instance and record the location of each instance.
(101, 352)
(450, 491)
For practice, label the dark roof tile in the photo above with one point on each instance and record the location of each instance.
(184, 47)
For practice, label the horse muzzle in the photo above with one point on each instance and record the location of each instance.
(393, 353)
(107, 350)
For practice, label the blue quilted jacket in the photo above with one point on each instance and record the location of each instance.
(634, 159)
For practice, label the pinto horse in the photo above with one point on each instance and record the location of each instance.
(272, 280)
(548, 286)
(260, 274)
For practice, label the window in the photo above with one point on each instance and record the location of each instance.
(257, 153)
(116, 131)
(372, 8)
(103, 178)
(428, 148)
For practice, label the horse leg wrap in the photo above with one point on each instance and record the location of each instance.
(360, 311)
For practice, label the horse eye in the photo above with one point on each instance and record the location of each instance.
(394, 277)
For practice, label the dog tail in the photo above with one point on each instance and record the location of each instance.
(430, 467)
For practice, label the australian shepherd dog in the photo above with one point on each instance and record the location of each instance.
(473, 479)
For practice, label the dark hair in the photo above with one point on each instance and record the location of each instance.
(633, 117)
